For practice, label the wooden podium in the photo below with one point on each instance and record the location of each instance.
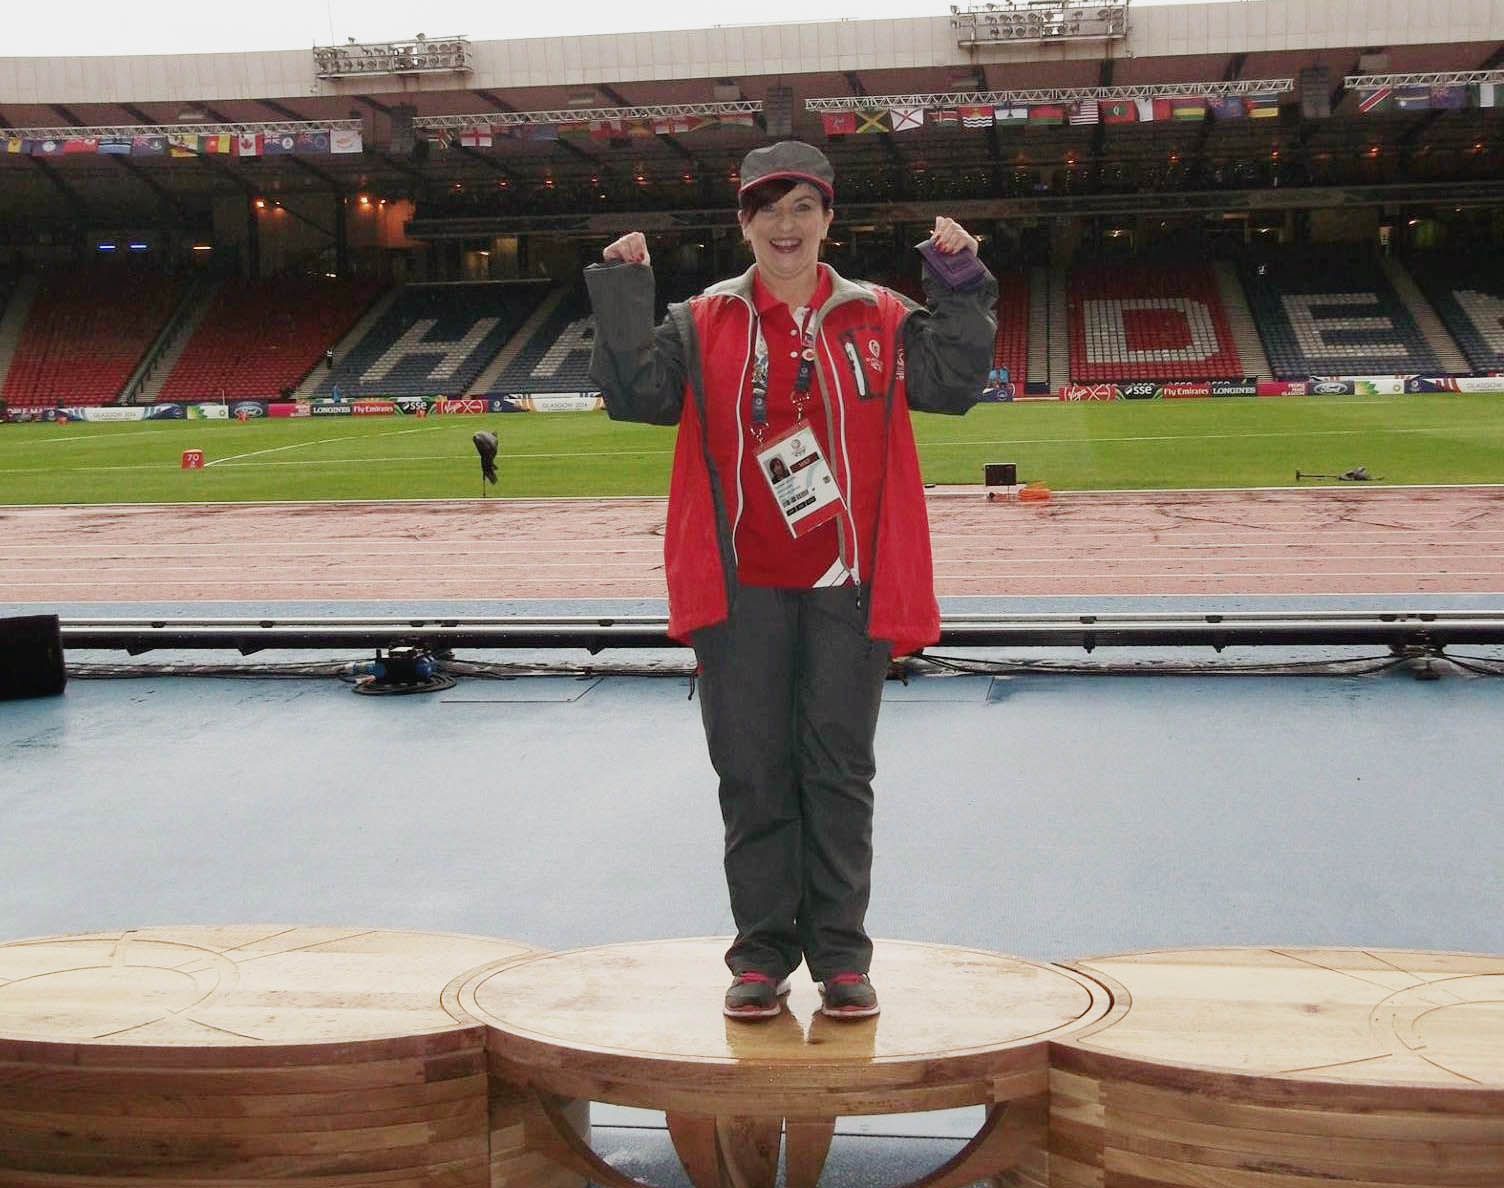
(308, 1056)
(641, 1025)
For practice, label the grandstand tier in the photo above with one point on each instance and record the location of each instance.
(1468, 293)
(1334, 312)
(259, 337)
(1149, 323)
(434, 340)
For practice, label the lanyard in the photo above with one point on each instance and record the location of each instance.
(802, 378)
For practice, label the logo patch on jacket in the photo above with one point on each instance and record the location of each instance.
(875, 356)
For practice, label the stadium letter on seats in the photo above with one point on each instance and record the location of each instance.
(1486, 313)
(1313, 320)
(1106, 330)
(577, 336)
(452, 352)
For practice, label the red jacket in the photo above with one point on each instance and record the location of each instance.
(876, 356)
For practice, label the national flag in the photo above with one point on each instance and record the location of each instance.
(248, 144)
(569, 129)
(946, 116)
(537, 132)
(46, 148)
(1086, 111)
(976, 117)
(276, 144)
(872, 119)
(115, 146)
(906, 119)
(1449, 98)
(17, 144)
(316, 141)
(182, 144)
(638, 128)
(1486, 94)
(1227, 107)
(838, 123)
(1119, 111)
(662, 126)
(81, 144)
(1047, 114)
(1145, 109)
(1176, 107)
(1261, 107)
(478, 137)
(1010, 113)
(1412, 98)
(148, 146)
(346, 140)
(218, 143)
(1375, 99)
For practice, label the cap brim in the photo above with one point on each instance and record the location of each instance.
(792, 175)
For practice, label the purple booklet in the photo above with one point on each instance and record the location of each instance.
(956, 270)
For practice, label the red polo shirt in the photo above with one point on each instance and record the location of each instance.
(767, 553)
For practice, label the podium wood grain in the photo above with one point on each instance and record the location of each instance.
(641, 1025)
(328, 1056)
(1284, 1068)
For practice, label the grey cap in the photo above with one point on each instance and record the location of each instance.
(792, 159)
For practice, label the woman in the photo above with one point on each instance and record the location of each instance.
(795, 590)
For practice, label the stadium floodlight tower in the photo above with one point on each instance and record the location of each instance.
(1033, 21)
(419, 55)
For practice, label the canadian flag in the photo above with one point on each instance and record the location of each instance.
(248, 144)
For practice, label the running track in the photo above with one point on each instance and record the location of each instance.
(1341, 540)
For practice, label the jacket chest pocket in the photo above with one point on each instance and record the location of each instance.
(867, 361)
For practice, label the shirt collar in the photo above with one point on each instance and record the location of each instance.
(764, 301)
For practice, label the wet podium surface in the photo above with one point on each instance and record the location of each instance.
(641, 1025)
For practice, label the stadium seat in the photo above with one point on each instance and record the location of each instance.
(1468, 294)
(556, 355)
(1142, 322)
(1334, 312)
(1010, 349)
(435, 339)
(85, 333)
(259, 337)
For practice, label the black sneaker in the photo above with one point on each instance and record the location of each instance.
(848, 996)
(754, 995)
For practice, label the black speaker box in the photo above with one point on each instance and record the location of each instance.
(402, 129)
(1000, 474)
(778, 112)
(31, 657)
(1316, 93)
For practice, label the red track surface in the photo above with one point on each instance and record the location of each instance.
(1348, 540)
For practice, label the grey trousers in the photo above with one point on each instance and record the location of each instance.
(790, 686)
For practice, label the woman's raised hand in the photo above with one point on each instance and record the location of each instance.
(631, 248)
(950, 237)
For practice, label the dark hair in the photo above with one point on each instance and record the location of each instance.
(768, 192)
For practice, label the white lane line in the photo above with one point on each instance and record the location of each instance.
(300, 445)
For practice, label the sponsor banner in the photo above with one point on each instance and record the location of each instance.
(559, 402)
(286, 408)
(498, 404)
(208, 412)
(24, 416)
(1282, 388)
(166, 412)
(245, 410)
(329, 408)
(412, 406)
(1359, 385)
(373, 408)
(1493, 385)
(1075, 392)
(107, 413)
(1331, 387)
(1238, 387)
(1139, 390)
(1480, 383)
(997, 394)
(1185, 391)
(473, 407)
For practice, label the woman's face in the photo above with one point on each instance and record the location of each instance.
(785, 235)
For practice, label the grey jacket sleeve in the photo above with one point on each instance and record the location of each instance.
(639, 367)
(948, 347)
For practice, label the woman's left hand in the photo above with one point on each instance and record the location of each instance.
(950, 237)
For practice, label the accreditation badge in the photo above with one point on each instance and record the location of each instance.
(794, 467)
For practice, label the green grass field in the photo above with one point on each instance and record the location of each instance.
(1149, 444)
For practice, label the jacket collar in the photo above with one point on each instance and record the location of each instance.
(841, 289)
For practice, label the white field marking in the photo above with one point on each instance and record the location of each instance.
(1091, 441)
(91, 438)
(299, 445)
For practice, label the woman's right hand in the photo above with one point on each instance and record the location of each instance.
(631, 248)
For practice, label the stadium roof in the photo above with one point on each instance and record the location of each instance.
(1173, 44)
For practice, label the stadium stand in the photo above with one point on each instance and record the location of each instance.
(86, 331)
(556, 356)
(258, 338)
(1332, 311)
(434, 340)
(1149, 323)
(1468, 293)
(1010, 349)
